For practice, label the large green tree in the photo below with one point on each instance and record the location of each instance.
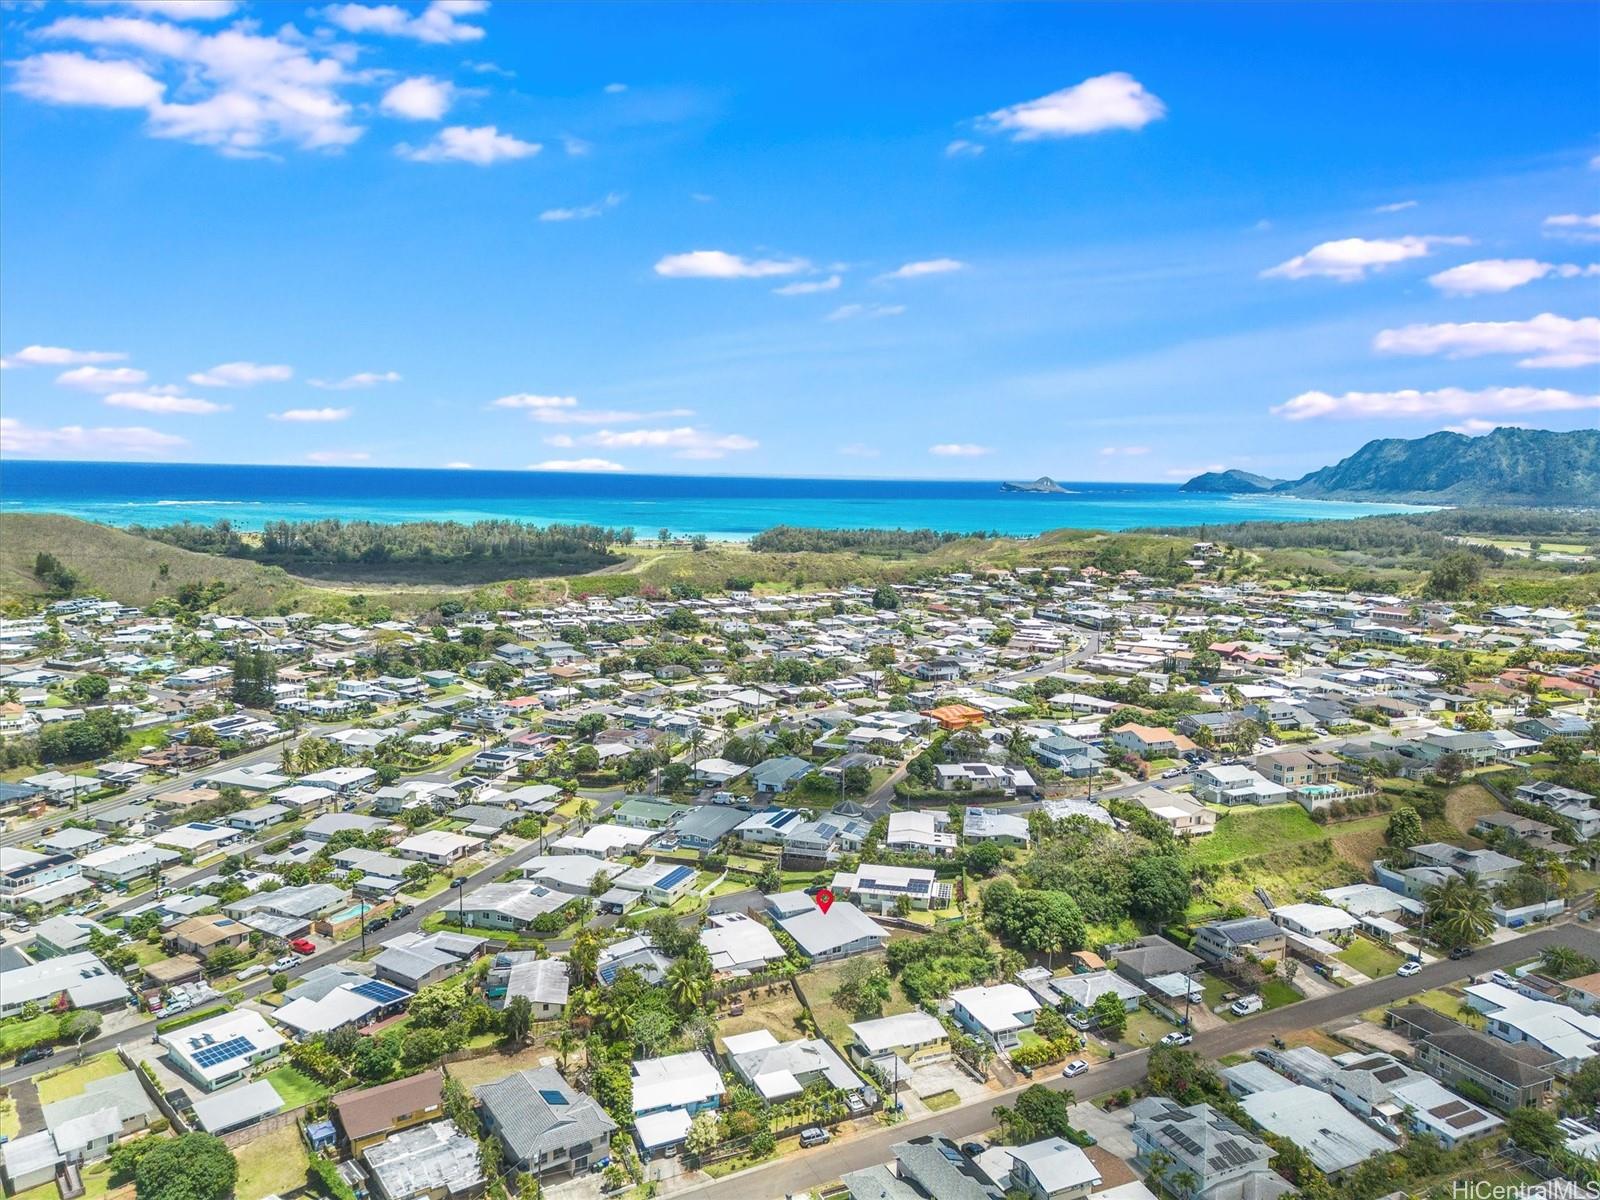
(195, 1166)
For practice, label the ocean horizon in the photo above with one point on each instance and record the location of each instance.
(725, 507)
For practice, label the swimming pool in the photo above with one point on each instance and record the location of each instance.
(350, 914)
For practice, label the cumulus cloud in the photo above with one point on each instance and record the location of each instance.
(584, 212)
(422, 98)
(1574, 227)
(927, 266)
(1349, 259)
(164, 402)
(73, 79)
(533, 400)
(102, 379)
(855, 312)
(77, 441)
(58, 356)
(1443, 402)
(809, 287)
(1474, 426)
(238, 90)
(960, 450)
(1502, 274)
(458, 465)
(440, 23)
(242, 374)
(362, 379)
(480, 145)
(684, 441)
(1113, 101)
(719, 264)
(311, 415)
(605, 416)
(334, 458)
(577, 464)
(1547, 340)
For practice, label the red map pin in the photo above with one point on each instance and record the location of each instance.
(824, 899)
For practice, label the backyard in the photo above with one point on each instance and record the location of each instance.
(295, 1087)
(1371, 959)
(273, 1164)
(780, 1014)
(833, 1022)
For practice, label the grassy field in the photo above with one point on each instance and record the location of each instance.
(1447, 1001)
(1371, 959)
(940, 1101)
(834, 1022)
(273, 1164)
(17, 1035)
(1245, 833)
(59, 1085)
(1465, 804)
(473, 1073)
(295, 1088)
(780, 1015)
(10, 1124)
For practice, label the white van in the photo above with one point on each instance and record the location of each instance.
(1245, 1005)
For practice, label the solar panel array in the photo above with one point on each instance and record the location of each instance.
(552, 1097)
(210, 1056)
(376, 989)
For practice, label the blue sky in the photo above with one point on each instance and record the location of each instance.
(1098, 241)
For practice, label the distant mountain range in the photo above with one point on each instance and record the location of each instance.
(1507, 466)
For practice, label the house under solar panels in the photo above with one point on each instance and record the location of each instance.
(877, 888)
(222, 1050)
(354, 1001)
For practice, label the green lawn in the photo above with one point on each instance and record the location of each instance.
(59, 1085)
(1371, 959)
(817, 988)
(1275, 993)
(272, 1165)
(940, 1101)
(1145, 1029)
(10, 1125)
(1248, 832)
(295, 1087)
(17, 1035)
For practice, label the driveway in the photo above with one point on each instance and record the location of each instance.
(1113, 1130)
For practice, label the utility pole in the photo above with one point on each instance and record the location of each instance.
(460, 885)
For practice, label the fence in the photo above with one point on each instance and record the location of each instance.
(177, 1122)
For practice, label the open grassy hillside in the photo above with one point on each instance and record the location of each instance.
(124, 567)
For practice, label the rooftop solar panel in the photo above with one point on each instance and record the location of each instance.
(377, 990)
(552, 1097)
(210, 1056)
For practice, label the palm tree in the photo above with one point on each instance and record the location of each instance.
(1459, 910)
(585, 811)
(686, 985)
(566, 1043)
(517, 1019)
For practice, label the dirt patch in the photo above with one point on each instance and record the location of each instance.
(473, 1073)
(1113, 1171)
(1465, 804)
(780, 1014)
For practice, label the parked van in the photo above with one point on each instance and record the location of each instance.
(1245, 1005)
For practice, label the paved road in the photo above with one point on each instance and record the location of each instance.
(335, 954)
(806, 1170)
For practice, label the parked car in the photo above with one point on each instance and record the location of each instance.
(814, 1135)
(1460, 952)
(972, 1149)
(1177, 1038)
(1407, 969)
(377, 923)
(405, 910)
(1172, 774)
(303, 946)
(1074, 1068)
(284, 963)
(1245, 1005)
(36, 1054)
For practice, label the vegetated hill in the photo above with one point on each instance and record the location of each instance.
(125, 567)
(1507, 466)
(1233, 483)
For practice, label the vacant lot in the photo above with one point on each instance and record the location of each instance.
(1465, 804)
(833, 1022)
(1245, 833)
(473, 1073)
(273, 1164)
(780, 1014)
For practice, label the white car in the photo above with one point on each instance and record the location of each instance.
(1177, 1038)
(1407, 969)
(1074, 1068)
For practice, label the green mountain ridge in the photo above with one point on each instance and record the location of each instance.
(1507, 466)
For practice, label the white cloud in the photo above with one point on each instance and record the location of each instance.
(458, 466)
(333, 458)
(1349, 259)
(1397, 206)
(422, 98)
(859, 450)
(531, 400)
(1474, 426)
(961, 148)
(101, 379)
(1444, 402)
(1502, 274)
(853, 312)
(808, 287)
(960, 450)
(308, 415)
(239, 91)
(1573, 227)
(685, 441)
(719, 264)
(362, 379)
(1547, 340)
(164, 402)
(76, 441)
(439, 23)
(577, 464)
(927, 266)
(1125, 451)
(241, 374)
(479, 145)
(575, 147)
(1114, 101)
(615, 89)
(605, 416)
(183, 10)
(71, 78)
(585, 212)
(58, 356)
